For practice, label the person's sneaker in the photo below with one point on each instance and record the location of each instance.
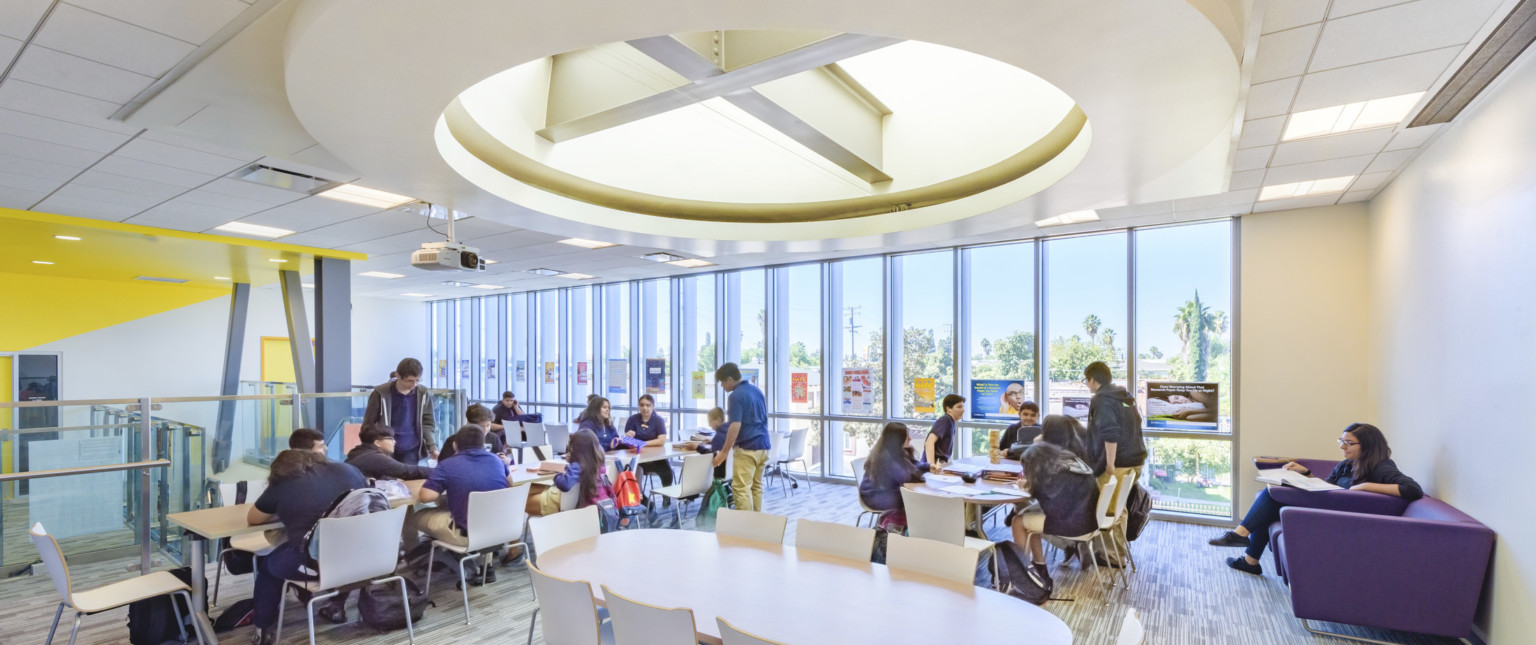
(264, 637)
(1229, 539)
(1241, 564)
(1041, 569)
(335, 614)
(514, 555)
(490, 574)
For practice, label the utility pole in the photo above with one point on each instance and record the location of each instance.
(853, 329)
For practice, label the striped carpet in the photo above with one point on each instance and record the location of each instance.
(1183, 591)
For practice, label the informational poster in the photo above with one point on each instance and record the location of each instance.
(1076, 407)
(1181, 406)
(581, 372)
(464, 368)
(799, 387)
(997, 399)
(618, 376)
(698, 385)
(749, 374)
(922, 395)
(522, 371)
(490, 368)
(551, 372)
(655, 376)
(858, 391)
(442, 368)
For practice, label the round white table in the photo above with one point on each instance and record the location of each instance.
(796, 597)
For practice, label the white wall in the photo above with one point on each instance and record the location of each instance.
(1455, 284)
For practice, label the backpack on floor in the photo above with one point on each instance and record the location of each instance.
(1017, 578)
(239, 614)
(381, 606)
(152, 621)
(628, 502)
(717, 498)
(1138, 512)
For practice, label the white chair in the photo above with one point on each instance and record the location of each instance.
(361, 548)
(1131, 631)
(931, 557)
(255, 544)
(1112, 529)
(794, 453)
(559, 437)
(570, 612)
(698, 471)
(112, 596)
(554, 531)
(730, 635)
(495, 519)
(636, 623)
(939, 518)
(751, 525)
(840, 540)
(858, 474)
(536, 437)
(1102, 509)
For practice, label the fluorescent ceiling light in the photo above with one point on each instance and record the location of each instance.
(486, 286)
(417, 295)
(456, 283)
(71, 238)
(1361, 115)
(1074, 217)
(587, 244)
(356, 194)
(147, 278)
(661, 257)
(41, 262)
(253, 229)
(381, 274)
(1306, 188)
(691, 263)
(576, 276)
(221, 277)
(277, 260)
(545, 272)
(490, 261)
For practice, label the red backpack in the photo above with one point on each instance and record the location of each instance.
(626, 489)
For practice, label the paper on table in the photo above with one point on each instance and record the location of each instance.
(968, 491)
(936, 480)
(1283, 477)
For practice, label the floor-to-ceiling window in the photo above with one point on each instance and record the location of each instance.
(699, 344)
(797, 386)
(517, 345)
(656, 341)
(615, 327)
(1085, 316)
(998, 315)
(578, 360)
(547, 361)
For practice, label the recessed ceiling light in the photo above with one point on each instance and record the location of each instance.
(456, 283)
(381, 274)
(486, 286)
(41, 262)
(1074, 217)
(576, 276)
(587, 244)
(490, 261)
(220, 277)
(661, 256)
(70, 238)
(691, 263)
(243, 228)
(366, 196)
(544, 272)
(148, 278)
(1306, 188)
(417, 295)
(1361, 115)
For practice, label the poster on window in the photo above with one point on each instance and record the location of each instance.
(1076, 407)
(922, 395)
(442, 368)
(551, 372)
(464, 368)
(618, 376)
(749, 374)
(858, 391)
(490, 368)
(698, 385)
(655, 376)
(799, 387)
(1181, 406)
(997, 399)
(581, 372)
(522, 372)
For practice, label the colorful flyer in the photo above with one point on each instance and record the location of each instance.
(1182, 406)
(442, 368)
(655, 376)
(464, 368)
(749, 374)
(490, 368)
(522, 371)
(997, 399)
(698, 385)
(581, 372)
(1076, 407)
(922, 395)
(618, 376)
(858, 391)
(551, 372)
(799, 387)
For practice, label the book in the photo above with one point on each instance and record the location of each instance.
(1283, 477)
(552, 466)
(963, 469)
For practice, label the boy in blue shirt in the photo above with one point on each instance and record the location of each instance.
(747, 436)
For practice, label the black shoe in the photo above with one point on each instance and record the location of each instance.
(490, 574)
(264, 636)
(1041, 569)
(1068, 554)
(1241, 564)
(1103, 562)
(1229, 539)
(335, 614)
(514, 555)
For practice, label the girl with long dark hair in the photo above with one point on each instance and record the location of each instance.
(596, 418)
(585, 475)
(890, 466)
(1063, 487)
(1367, 466)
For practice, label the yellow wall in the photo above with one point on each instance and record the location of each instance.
(42, 309)
(5, 415)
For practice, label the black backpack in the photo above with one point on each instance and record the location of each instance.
(1016, 578)
(151, 621)
(1138, 513)
(381, 608)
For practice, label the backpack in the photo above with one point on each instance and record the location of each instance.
(1016, 578)
(627, 505)
(239, 614)
(1138, 513)
(152, 621)
(877, 554)
(716, 499)
(361, 501)
(381, 608)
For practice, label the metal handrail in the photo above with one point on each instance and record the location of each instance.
(83, 470)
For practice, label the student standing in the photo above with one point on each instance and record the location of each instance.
(940, 444)
(473, 469)
(405, 407)
(1114, 430)
(746, 438)
(890, 466)
(651, 428)
(596, 419)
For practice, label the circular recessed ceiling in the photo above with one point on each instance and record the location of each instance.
(764, 135)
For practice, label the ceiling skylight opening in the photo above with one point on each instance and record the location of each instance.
(1361, 115)
(381, 274)
(1306, 188)
(256, 230)
(366, 196)
(661, 256)
(1074, 217)
(587, 244)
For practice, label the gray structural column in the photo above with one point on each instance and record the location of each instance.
(333, 345)
(298, 333)
(229, 385)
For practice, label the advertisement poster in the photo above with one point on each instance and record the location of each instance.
(858, 391)
(799, 387)
(490, 368)
(922, 395)
(1076, 407)
(655, 376)
(551, 373)
(522, 371)
(698, 385)
(464, 368)
(581, 372)
(1181, 406)
(618, 376)
(749, 374)
(996, 399)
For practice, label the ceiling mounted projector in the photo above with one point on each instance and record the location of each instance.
(447, 256)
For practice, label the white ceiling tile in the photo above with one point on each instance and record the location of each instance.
(1279, 16)
(62, 71)
(375, 226)
(1356, 196)
(1229, 198)
(16, 181)
(1389, 161)
(1284, 54)
(334, 208)
(19, 199)
(32, 126)
(189, 20)
(1335, 146)
(97, 179)
(1272, 98)
(35, 168)
(1252, 158)
(1370, 180)
(1247, 179)
(45, 151)
(1345, 167)
(145, 149)
(126, 167)
(1295, 202)
(8, 48)
(200, 145)
(475, 227)
(1398, 30)
(88, 34)
(292, 218)
(66, 205)
(1261, 132)
(226, 202)
(31, 98)
(1373, 80)
(1343, 8)
(19, 17)
(253, 191)
(1413, 137)
(187, 216)
(134, 201)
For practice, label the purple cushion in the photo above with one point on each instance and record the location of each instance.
(1277, 547)
(1429, 508)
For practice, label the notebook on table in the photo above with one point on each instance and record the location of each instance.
(1283, 477)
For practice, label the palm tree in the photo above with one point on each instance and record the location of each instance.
(1109, 338)
(1194, 324)
(1091, 325)
(1219, 323)
(1183, 324)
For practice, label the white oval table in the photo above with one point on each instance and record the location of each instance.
(796, 597)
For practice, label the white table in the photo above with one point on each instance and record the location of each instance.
(796, 597)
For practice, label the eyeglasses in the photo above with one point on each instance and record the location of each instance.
(1346, 442)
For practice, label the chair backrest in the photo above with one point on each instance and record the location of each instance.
(796, 444)
(563, 528)
(230, 491)
(53, 558)
(698, 473)
(613, 469)
(536, 434)
(858, 470)
(934, 517)
(496, 516)
(636, 623)
(1122, 495)
(729, 635)
(569, 499)
(1131, 631)
(839, 540)
(1106, 494)
(751, 525)
(570, 613)
(360, 547)
(931, 557)
(559, 436)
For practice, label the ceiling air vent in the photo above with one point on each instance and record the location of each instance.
(285, 179)
(148, 278)
(1501, 48)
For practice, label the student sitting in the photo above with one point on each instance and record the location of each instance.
(595, 419)
(1063, 486)
(716, 420)
(307, 439)
(940, 444)
(481, 416)
(585, 475)
(651, 428)
(300, 489)
(1026, 431)
(473, 469)
(1367, 466)
(375, 456)
(507, 413)
(890, 466)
